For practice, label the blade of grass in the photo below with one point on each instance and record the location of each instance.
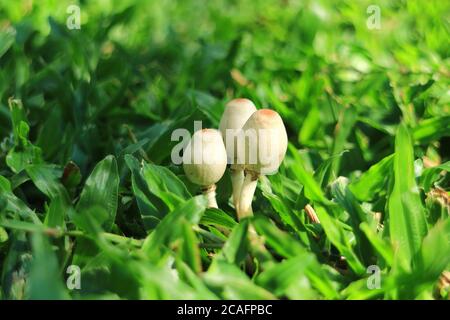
(407, 223)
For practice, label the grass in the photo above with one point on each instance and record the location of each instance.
(86, 178)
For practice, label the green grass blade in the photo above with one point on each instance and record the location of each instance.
(407, 224)
(101, 191)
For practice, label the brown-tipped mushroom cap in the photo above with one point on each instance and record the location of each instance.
(205, 158)
(265, 142)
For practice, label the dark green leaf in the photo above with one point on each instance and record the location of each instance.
(101, 191)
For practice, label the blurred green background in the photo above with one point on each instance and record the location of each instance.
(147, 62)
(137, 70)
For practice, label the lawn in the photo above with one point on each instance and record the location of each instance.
(93, 207)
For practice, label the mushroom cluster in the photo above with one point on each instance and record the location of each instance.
(253, 142)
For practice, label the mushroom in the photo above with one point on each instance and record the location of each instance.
(205, 161)
(236, 113)
(265, 147)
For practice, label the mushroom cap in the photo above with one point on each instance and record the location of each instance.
(236, 113)
(265, 142)
(205, 157)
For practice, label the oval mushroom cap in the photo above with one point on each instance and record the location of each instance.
(205, 157)
(265, 141)
(235, 115)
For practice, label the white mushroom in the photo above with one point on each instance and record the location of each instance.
(265, 147)
(205, 161)
(236, 113)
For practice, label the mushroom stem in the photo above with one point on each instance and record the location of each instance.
(237, 179)
(210, 194)
(247, 192)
